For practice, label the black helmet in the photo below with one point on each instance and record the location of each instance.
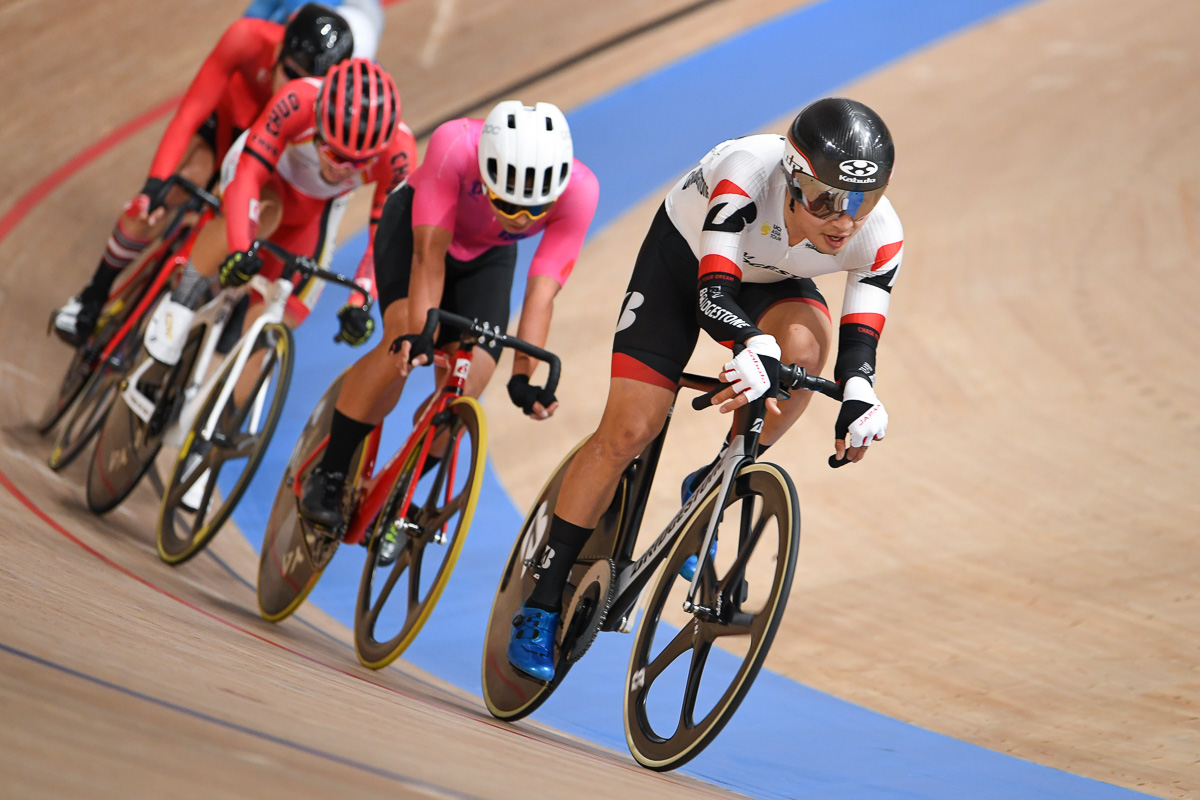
(838, 157)
(316, 38)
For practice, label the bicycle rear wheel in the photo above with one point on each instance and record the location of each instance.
(242, 433)
(294, 553)
(508, 693)
(127, 444)
(680, 691)
(90, 404)
(85, 360)
(430, 516)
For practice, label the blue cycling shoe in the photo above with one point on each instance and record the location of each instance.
(688, 570)
(531, 647)
(688, 488)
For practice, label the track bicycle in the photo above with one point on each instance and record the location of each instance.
(158, 403)
(90, 382)
(225, 430)
(680, 691)
(413, 515)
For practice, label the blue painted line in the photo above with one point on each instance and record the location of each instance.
(233, 726)
(786, 740)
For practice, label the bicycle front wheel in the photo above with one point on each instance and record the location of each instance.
(192, 513)
(681, 691)
(424, 521)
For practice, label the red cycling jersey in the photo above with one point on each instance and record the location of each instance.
(235, 82)
(279, 149)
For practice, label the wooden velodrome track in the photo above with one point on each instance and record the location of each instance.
(1015, 566)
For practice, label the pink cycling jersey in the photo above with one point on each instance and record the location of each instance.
(449, 193)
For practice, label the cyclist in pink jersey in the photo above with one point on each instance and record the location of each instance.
(448, 238)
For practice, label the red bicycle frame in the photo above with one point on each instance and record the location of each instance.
(375, 488)
(151, 294)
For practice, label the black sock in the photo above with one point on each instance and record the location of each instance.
(101, 284)
(344, 435)
(562, 548)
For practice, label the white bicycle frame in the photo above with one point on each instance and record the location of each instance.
(215, 314)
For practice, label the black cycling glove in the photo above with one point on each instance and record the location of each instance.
(524, 395)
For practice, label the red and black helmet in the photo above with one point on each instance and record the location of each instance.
(358, 109)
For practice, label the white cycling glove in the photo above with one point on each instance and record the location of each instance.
(863, 419)
(754, 370)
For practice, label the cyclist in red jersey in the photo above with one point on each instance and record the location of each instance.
(253, 60)
(287, 179)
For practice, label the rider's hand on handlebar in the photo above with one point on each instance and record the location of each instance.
(862, 420)
(239, 267)
(413, 349)
(535, 401)
(356, 325)
(752, 373)
(148, 207)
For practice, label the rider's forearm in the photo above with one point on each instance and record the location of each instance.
(424, 289)
(536, 314)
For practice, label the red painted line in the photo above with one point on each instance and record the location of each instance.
(13, 217)
(37, 194)
(415, 698)
(28, 201)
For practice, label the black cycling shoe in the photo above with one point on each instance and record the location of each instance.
(321, 503)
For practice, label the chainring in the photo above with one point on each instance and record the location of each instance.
(588, 608)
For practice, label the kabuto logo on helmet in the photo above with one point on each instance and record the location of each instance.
(858, 167)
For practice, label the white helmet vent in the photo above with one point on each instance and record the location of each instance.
(525, 152)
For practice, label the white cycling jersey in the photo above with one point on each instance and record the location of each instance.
(730, 209)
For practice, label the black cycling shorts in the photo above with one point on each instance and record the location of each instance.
(477, 289)
(658, 327)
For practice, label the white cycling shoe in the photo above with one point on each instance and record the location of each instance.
(75, 321)
(167, 331)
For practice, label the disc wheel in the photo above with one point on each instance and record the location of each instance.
(508, 693)
(192, 512)
(127, 445)
(681, 690)
(429, 517)
(294, 553)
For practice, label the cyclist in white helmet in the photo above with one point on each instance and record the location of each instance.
(448, 238)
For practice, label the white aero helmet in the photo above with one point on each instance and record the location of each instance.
(525, 153)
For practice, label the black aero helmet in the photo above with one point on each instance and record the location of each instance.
(838, 157)
(316, 38)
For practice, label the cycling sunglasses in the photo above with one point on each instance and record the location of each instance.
(291, 71)
(513, 210)
(338, 160)
(826, 202)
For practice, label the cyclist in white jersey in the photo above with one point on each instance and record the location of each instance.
(732, 251)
